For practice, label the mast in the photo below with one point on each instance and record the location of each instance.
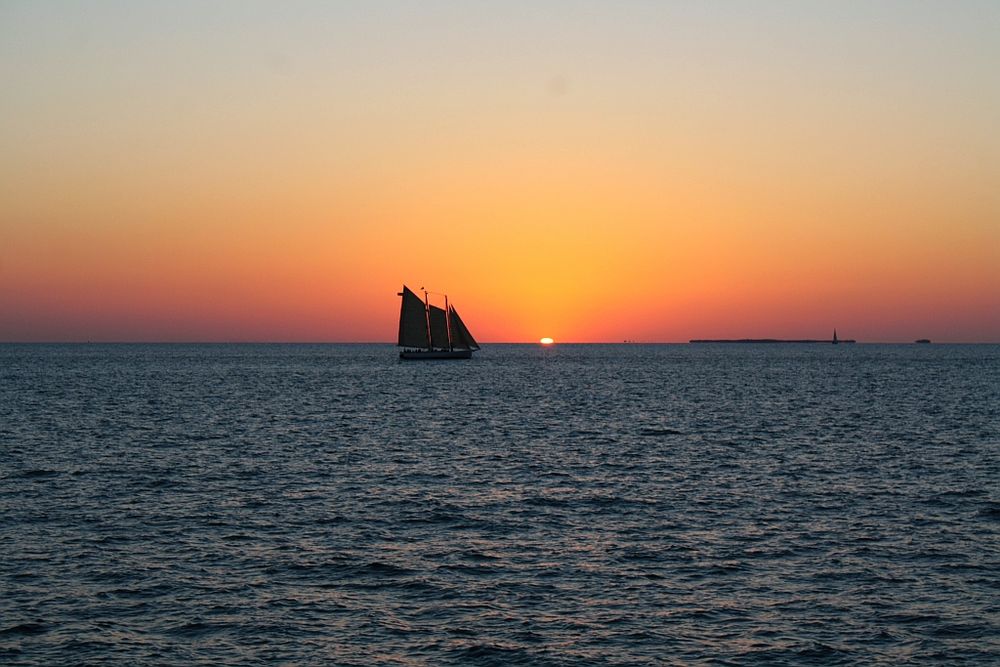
(427, 315)
(447, 323)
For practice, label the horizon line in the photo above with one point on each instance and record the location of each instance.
(693, 341)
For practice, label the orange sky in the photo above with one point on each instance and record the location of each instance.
(253, 172)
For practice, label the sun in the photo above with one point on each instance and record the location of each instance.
(546, 341)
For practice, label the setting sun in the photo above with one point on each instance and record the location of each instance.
(546, 341)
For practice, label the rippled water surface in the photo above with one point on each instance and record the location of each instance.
(577, 505)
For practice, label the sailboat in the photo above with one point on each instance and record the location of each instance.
(429, 332)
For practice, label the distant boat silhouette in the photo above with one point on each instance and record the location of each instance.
(922, 341)
(835, 341)
(429, 332)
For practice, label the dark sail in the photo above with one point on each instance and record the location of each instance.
(460, 335)
(412, 321)
(439, 328)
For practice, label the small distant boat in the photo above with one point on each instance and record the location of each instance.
(835, 341)
(922, 341)
(429, 332)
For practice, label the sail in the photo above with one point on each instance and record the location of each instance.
(412, 320)
(439, 328)
(460, 336)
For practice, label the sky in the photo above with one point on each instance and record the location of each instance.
(589, 171)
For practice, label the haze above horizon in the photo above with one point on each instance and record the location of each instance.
(583, 171)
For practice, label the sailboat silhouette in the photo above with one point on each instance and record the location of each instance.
(429, 332)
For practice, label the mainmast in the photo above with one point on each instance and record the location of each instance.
(447, 322)
(427, 316)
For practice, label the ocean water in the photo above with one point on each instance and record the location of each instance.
(576, 505)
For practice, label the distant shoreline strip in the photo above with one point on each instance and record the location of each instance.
(766, 340)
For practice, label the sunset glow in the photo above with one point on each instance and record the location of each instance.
(546, 341)
(650, 171)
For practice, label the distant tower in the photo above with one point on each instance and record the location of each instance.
(835, 341)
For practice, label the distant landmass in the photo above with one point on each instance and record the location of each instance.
(770, 340)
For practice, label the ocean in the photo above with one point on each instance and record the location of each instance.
(571, 505)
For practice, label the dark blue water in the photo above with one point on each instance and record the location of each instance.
(606, 505)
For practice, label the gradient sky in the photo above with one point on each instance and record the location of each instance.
(590, 171)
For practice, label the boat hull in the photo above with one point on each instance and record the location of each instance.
(430, 355)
